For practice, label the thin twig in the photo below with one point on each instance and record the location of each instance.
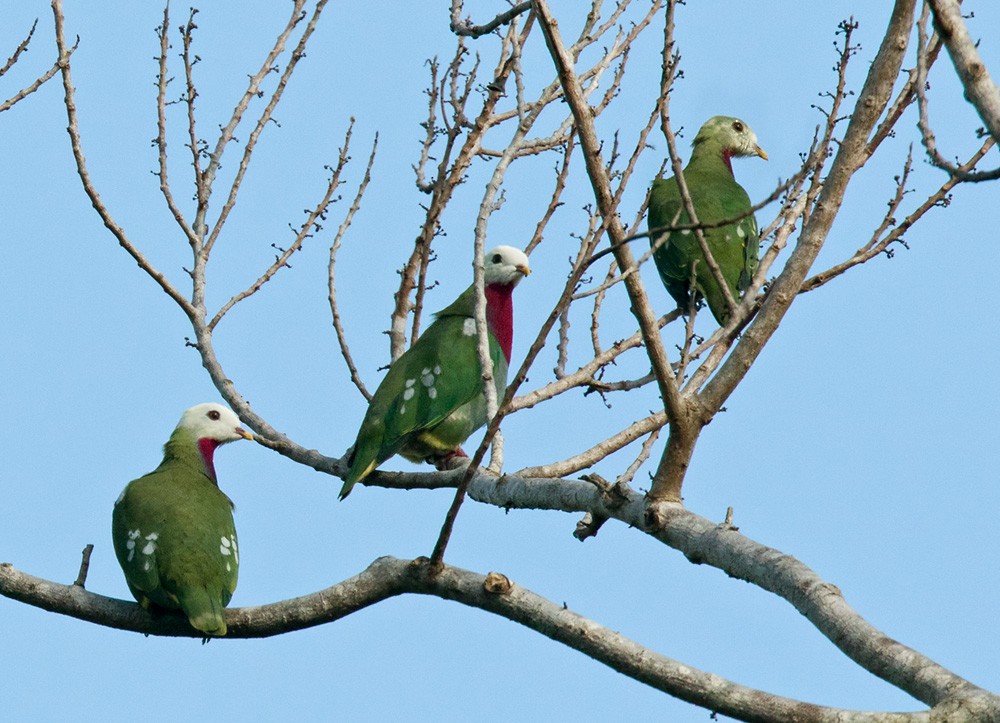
(308, 228)
(162, 80)
(879, 244)
(599, 451)
(39, 81)
(331, 276)
(73, 129)
(253, 91)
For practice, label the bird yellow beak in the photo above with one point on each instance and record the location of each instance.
(760, 152)
(524, 270)
(244, 433)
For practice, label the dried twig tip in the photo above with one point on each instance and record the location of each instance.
(81, 577)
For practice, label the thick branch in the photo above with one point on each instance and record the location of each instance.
(494, 593)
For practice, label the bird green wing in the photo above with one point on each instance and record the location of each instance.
(136, 548)
(734, 246)
(666, 210)
(412, 407)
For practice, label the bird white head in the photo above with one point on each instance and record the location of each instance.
(732, 134)
(213, 421)
(505, 265)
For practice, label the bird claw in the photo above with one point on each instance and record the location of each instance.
(456, 459)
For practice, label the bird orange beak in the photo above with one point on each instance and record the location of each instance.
(244, 433)
(760, 152)
(524, 270)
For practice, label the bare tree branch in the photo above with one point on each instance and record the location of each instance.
(879, 243)
(980, 90)
(924, 59)
(390, 577)
(161, 132)
(39, 81)
(466, 27)
(81, 166)
(699, 539)
(331, 276)
(645, 426)
(229, 131)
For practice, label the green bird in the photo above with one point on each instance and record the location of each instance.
(716, 197)
(431, 399)
(173, 528)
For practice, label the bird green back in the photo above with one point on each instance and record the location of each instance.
(716, 197)
(175, 539)
(430, 400)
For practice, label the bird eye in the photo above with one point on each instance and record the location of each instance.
(214, 415)
(497, 258)
(738, 127)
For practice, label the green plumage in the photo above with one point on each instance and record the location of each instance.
(716, 197)
(173, 529)
(431, 399)
(425, 423)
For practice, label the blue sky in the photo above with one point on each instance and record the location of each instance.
(862, 442)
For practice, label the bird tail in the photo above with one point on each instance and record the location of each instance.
(714, 295)
(716, 301)
(355, 476)
(204, 610)
(357, 470)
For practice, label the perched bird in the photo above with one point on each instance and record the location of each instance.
(716, 197)
(431, 399)
(173, 528)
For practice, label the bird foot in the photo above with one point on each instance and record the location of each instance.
(456, 459)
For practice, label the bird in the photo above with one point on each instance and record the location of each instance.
(173, 529)
(431, 399)
(716, 197)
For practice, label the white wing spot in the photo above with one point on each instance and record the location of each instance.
(228, 567)
(408, 394)
(425, 371)
(685, 232)
(402, 409)
(149, 548)
(236, 552)
(224, 549)
(437, 369)
(427, 379)
(225, 541)
(133, 535)
(145, 566)
(432, 392)
(728, 237)
(410, 382)
(469, 327)
(740, 232)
